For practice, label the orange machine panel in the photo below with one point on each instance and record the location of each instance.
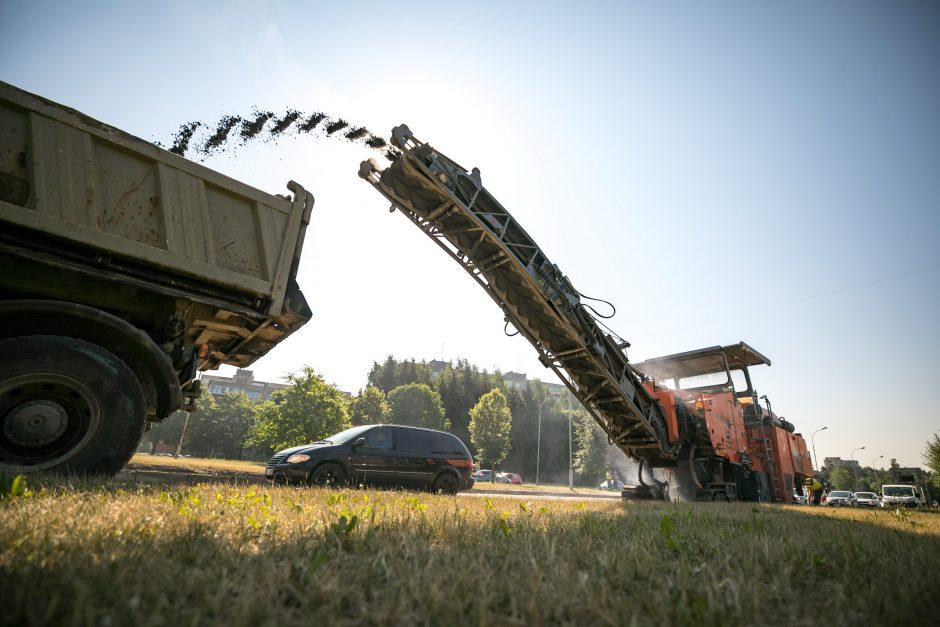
(725, 421)
(667, 398)
(802, 463)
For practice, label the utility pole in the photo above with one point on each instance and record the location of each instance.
(570, 464)
(538, 444)
(179, 445)
(854, 472)
(813, 440)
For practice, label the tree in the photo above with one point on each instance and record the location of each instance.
(931, 458)
(460, 386)
(393, 373)
(370, 407)
(490, 423)
(590, 458)
(309, 409)
(417, 405)
(220, 426)
(168, 431)
(840, 479)
(895, 470)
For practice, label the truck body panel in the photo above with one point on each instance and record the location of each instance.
(66, 175)
(160, 267)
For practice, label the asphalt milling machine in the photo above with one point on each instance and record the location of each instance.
(693, 420)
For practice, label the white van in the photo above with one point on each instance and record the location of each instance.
(894, 495)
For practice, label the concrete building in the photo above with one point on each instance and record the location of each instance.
(838, 462)
(243, 381)
(518, 381)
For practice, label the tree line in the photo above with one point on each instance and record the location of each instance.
(869, 479)
(521, 429)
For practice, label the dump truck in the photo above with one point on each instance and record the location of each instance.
(124, 271)
(693, 418)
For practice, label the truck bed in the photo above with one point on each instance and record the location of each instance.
(75, 192)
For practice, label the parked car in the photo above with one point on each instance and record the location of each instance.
(867, 499)
(839, 498)
(483, 475)
(380, 455)
(514, 478)
(799, 499)
(612, 484)
(502, 477)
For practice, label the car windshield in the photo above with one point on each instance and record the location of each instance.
(898, 490)
(864, 495)
(348, 435)
(839, 494)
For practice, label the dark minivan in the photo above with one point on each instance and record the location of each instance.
(380, 455)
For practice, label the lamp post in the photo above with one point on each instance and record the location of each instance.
(813, 440)
(570, 465)
(538, 445)
(874, 460)
(854, 473)
(861, 448)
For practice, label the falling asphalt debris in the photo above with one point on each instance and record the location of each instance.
(232, 131)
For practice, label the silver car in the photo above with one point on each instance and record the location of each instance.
(867, 499)
(839, 498)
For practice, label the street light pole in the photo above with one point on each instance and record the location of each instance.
(570, 465)
(538, 445)
(861, 448)
(854, 474)
(874, 460)
(813, 440)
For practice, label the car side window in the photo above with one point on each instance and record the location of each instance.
(379, 438)
(412, 441)
(446, 444)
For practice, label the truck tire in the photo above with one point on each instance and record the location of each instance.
(67, 405)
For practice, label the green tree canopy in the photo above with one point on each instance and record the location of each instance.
(591, 455)
(417, 405)
(309, 409)
(841, 479)
(932, 458)
(370, 407)
(490, 424)
(167, 431)
(220, 426)
(393, 373)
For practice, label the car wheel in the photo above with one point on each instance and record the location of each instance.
(446, 483)
(328, 475)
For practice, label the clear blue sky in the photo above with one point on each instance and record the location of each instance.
(727, 171)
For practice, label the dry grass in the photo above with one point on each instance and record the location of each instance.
(99, 553)
(196, 463)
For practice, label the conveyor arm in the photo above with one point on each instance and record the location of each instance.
(453, 208)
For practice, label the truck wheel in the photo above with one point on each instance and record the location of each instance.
(66, 404)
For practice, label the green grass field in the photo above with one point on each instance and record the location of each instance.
(117, 553)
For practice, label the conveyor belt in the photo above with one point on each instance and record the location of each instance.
(453, 208)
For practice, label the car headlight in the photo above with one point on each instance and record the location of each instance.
(296, 458)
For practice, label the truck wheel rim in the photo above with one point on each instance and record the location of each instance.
(47, 419)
